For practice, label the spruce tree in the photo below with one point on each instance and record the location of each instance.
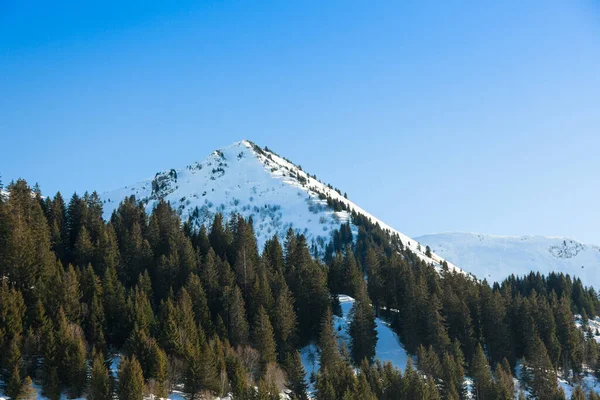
(578, 394)
(295, 372)
(201, 370)
(539, 374)
(27, 391)
(285, 321)
(200, 303)
(100, 385)
(505, 387)
(236, 316)
(482, 376)
(362, 331)
(263, 339)
(131, 380)
(13, 387)
(238, 379)
(329, 351)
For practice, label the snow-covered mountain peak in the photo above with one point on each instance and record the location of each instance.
(496, 257)
(254, 182)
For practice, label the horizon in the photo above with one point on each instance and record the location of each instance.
(433, 117)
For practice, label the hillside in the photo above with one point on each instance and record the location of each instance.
(254, 182)
(496, 257)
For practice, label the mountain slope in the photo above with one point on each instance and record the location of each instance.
(243, 178)
(496, 257)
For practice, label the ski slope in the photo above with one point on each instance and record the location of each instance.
(496, 257)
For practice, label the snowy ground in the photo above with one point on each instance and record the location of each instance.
(388, 347)
(496, 257)
(594, 324)
(173, 396)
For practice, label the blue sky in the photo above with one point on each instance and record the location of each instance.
(434, 116)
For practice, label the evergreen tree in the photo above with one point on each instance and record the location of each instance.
(263, 339)
(362, 331)
(83, 252)
(14, 385)
(27, 391)
(131, 380)
(100, 385)
(70, 355)
(578, 394)
(482, 376)
(329, 352)
(539, 375)
(199, 302)
(285, 321)
(236, 316)
(505, 387)
(296, 376)
(238, 379)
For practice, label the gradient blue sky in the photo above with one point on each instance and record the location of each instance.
(433, 115)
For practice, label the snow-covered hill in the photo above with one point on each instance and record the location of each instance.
(496, 257)
(243, 178)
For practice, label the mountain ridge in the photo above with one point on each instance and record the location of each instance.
(255, 182)
(495, 257)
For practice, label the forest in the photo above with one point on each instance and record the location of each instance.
(207, 312)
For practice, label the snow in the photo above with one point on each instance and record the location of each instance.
(594, 324)
(388, 346)
(176, 395)
(496, 257)
(258, 183)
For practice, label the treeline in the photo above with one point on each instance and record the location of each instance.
(208, 310)
(459, 326)
(201, 308)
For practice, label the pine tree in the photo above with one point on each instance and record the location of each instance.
(568, 335)
(50, 384)
(236, 316)
(352, 276)
(374, 283)
(100, 386)
(505, 387)
(329, 352)
(158, 369)
(71, 356)
(263, 339)
(266, 392)
(13, 388)
(578, 394)
(200, 303)
(83, 252)
(295, 372)
(285, 321)
(362, 331)
(115, 304)
(27, 391)
(482, 376)
(428, 251)
(131, 380)
(201, 370)
(539, 375)
(238, 379)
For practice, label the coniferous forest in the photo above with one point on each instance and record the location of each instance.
(209, 313)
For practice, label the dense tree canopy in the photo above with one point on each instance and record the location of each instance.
(207, 309)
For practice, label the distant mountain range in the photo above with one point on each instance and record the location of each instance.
(496, 257)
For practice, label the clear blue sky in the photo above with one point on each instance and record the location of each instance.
(433, 115)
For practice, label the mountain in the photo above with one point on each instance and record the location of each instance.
(254, 182)
(496, 257)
